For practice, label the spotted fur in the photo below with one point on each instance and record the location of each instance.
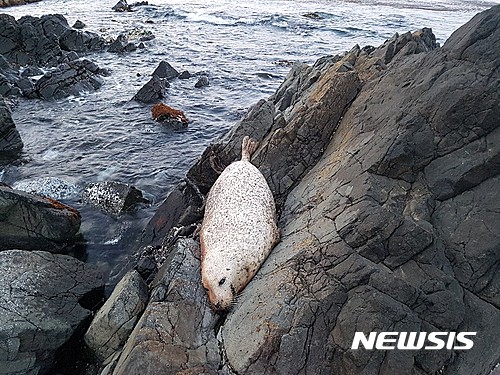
(238, 231)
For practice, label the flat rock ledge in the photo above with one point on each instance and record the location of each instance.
(384, 163)
(41, 306)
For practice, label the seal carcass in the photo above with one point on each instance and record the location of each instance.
(238, 231)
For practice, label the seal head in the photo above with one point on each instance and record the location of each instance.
(238, 230)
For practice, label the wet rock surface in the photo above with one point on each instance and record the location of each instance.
(48, 42)
(70, 78)
(385, 170)
(33, 222)
(153, 91)
(42, 303)
(113, 197)
(10, 140)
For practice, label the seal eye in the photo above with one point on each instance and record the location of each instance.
(222, 281)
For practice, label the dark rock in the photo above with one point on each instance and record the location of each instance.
(115, 320)
(202, 82)
(185, 75)
(81, 41)
(122, 6)
(70, 78)
(8, 3)
(43, 41)
(10, 140)
(166, 71)
(113, 197)
(34, 222)
(121, 44)
(41, 306)
(153, 91)
(181, 208)
(79, 25)
(32, 71)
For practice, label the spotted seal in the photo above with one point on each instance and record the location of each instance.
(238, 231)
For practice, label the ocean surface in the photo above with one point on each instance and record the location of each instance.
(245, 47)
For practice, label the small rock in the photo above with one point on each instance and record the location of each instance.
(117, 317)
(79, 25)
(168, 115)
(119, 44)
(165, 70)
(185, 75)
(122, 6)
(152, 91)
(202, 82)
(113, 197)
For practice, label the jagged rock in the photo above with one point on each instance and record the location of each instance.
(43, 41)
(122, 6)
(42, 299)
(202, 82)
(121, 44)
(166, 71)
(176, 330)
(365, 244)
(387, 187)
(10, 140)
(32, 71)
(33, 222)
(81, 41)
(71, 78)
(185, 75)
(181, 208)
(79, 25)
(113, 197)
(117, 317)
(153, 91)
(50, 187)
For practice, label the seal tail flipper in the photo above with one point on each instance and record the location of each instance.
(248, 147)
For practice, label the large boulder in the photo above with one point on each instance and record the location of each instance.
(42, 303)
(10, 140)
(33, 222)
(385, 168)
(372, 242)
(71, 78)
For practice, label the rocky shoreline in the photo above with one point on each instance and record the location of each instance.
(384, 165)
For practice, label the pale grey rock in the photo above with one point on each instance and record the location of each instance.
(115, 320)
